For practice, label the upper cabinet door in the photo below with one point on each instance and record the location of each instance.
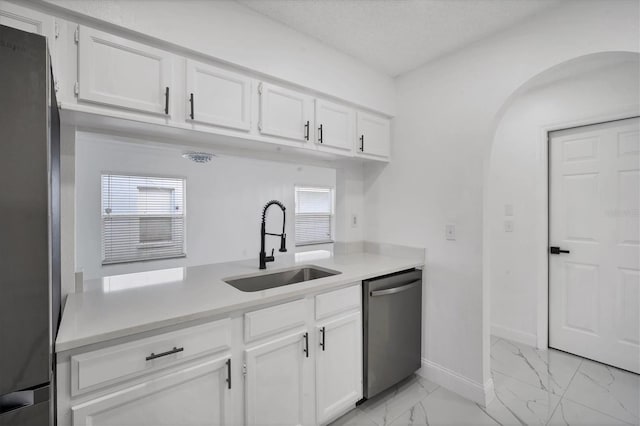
(285, 113)
(334, 126)
(122, 73)
(373, 136)
(25, 19)
(32, 21)
(218, 97)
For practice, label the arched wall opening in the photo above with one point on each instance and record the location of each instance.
(586, 90)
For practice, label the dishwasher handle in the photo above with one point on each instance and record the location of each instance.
(394, 290)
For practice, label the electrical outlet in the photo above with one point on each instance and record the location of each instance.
(508, 226)
(450, 231)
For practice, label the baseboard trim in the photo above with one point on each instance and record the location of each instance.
(514, 335)
(456, 382)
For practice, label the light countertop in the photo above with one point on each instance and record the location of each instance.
(123, 305)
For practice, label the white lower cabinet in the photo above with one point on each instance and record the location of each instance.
(302, 365)
(338, 366)
(278, 383)
(195, 395)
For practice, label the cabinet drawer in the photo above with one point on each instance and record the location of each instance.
(103, 367)
(273, 320)
(334, 302)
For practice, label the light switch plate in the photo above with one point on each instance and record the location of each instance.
(508, 209)
(450, 231)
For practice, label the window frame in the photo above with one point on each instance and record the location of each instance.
(151, 244)
(332, 214)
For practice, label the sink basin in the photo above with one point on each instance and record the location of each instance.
(280, 278)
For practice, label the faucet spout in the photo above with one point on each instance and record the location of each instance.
(263, 233)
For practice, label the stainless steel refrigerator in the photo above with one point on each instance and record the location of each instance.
(29, 229)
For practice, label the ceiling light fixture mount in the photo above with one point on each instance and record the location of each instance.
(198, 157)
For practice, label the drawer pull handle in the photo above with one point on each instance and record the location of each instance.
(228, 373)
(160, 355)
(323, 337)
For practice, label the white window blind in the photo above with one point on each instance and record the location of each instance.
(314, 215)
(143, 218)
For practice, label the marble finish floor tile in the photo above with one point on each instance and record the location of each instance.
(494, 340)
(532, 387)
(549, 370)
(518, 403)
(608, 390)
(572, 413)
(443, 407)
(354, 417)
(386, 407)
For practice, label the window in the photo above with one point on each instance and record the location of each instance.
(143, 218)
(314, 215)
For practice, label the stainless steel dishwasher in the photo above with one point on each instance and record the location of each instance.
(392, 329)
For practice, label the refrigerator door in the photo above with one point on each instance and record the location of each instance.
(392, 330)
(26, 408)
(24, 208)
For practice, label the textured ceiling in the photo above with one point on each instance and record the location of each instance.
(396, 36)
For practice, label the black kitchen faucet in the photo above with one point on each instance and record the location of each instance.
(283, 237)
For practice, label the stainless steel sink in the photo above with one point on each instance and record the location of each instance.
(281, 278)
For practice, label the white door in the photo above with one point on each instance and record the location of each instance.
(195, 395)
(218, 97)
(278, 382)
(338, 366)
(334, 126)
(594, 288)
(122, 73)
(373, 136)
(285, 113)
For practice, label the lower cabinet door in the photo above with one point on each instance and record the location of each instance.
(195, 395)
(338, 366)
(278, 382)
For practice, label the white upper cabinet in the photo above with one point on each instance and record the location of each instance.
(279, 382)
(122, 73)
(12, 15)
(338, 366)
(334, 126)
(373, 136)
(218, 97)
(25, 19)
(193, 395)
(285, 113)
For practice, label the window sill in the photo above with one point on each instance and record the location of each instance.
(315, 243)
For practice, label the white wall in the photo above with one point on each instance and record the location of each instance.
(236, 34)
(581, 94)
(224, 201)
(446, 113)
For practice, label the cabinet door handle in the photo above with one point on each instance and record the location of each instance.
(306, 130)
(229, 373)
(361, 143)
(557, 250)
(322, 338)
(191, 102)
(166, 100)
(306, 345)
(320, 136)
(160, 355)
